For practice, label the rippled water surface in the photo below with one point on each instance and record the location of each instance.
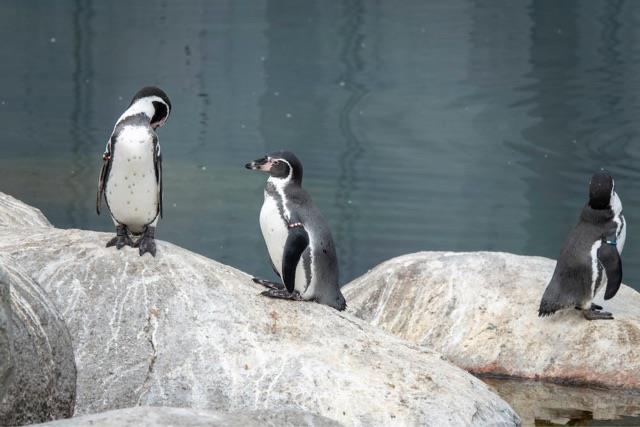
(457, 125)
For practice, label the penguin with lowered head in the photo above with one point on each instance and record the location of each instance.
(131, 176)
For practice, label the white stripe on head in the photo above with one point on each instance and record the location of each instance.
(281, 183)
(144, 106)
(616, 204)
(621, 232)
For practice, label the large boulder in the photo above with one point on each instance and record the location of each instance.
(480, 310)
(16, 214)
(155, 416)
(38, 370)
(6, 363)
(183, 330)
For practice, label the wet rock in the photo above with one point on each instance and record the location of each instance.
(183, 330)
(480, 311)
(158, 416)
(38, 370)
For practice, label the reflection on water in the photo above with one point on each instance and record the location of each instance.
(352, 66)
(82, 74)
(459, 125)
(544, 404)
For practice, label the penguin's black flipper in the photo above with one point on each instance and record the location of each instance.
(297, 242)
(157, 160)
(102, 181)
(609, 256)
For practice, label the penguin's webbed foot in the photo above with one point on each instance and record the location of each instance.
(122, 238)
(147, 242)
(268, 284)
(593, 307)
(282, 294)
(592, 314)
(120, 242)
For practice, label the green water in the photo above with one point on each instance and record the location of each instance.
(458, 125)
(453, 125)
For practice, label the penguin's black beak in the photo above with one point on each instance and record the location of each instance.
(263, 164)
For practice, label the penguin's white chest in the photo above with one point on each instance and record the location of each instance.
(132, 189)
(274, 231)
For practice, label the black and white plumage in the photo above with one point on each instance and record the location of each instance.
(297, 236)
(131, 175)
(590, 259)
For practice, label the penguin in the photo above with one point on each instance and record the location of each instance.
(590, 259)
(131, 175)
(297, 236)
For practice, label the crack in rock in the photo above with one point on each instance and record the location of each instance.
(152, 322)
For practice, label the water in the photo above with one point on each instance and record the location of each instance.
(544, 404)
(459, 125)
(456, 126)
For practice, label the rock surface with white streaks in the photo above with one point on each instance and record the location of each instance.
(158, 416)
(480, 310)
(6, 362)
(39, 375)
(16, 214)
(184, 330)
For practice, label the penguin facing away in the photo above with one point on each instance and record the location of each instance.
(297, 236)
(590, 259)
(131, 175)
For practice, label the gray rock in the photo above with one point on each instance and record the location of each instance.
(40, 379)
(158, 416)
(6, 363)
(14, 213)
(480, 310)
(183, 330)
